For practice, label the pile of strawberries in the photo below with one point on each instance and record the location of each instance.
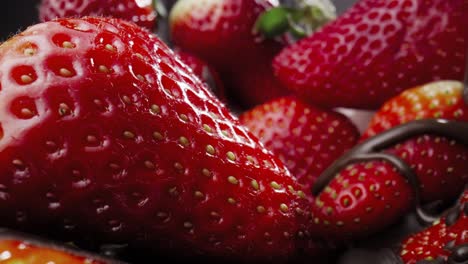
(227, 147)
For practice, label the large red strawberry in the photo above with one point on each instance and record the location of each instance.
(222, 33)
(442, 99)
(108, 137)
(22, 249)
(446, 241)
(376, 50)
(376, 182)
(205, 72)
(141, 12)
(305, 138)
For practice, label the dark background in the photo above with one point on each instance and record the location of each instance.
(16, 15)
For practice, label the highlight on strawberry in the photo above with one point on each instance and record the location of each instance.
(141, 12)
(440, 99)
(25, 249)
(205, 72)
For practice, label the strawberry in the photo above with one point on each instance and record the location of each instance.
(440, 164)
(363, 199)
(205, 72)
(140, 12)
(20, 248)
(305, 138)
(442, 99)
(222, 33)
(446, 241)
(376, 50)
(379, 180)
(108, 137)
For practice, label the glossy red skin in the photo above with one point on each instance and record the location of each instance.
(25, 253)
(205, 72)
(131, 10)
(441, 99)
(222, 33)
(431, 242)
(95, 170)
(376, 50)
(376, 197)
(307, 139)
(439, 164)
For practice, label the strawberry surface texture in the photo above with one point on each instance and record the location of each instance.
(106, 136)
(376, 50)
(141, 12)
(222, 32)
(446, 241)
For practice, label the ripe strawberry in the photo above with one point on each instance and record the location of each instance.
(205, 72)
(108, 137)
(446, 241)
(363, 198)
(140, 12)
(440, 164)
(19, 248)
(368, 195)
(305, 138)
(222, 33)
(442, 99)
(376, 50)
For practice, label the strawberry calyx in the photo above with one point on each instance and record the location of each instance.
(300, 20)
(370, 150)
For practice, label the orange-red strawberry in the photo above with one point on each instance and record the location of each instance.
(205, 72)
(307, 139)
(21, 249)
(388, 174)
(376, 50)
(222, 33)
(141, 12)
(442, 99)
(446, 241)
(108, 137)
